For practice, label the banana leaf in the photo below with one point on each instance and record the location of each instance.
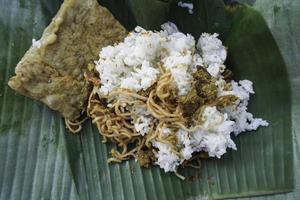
(41, 160)
(282, 17)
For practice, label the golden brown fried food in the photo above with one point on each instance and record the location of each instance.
(52, 71)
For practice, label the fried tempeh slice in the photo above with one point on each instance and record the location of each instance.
(52, 70)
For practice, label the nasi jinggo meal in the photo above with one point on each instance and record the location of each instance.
(161, 97)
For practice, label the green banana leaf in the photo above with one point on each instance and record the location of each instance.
(41, 160)
(282, 17)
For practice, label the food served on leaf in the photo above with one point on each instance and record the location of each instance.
(52, 69)
(162, 98)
